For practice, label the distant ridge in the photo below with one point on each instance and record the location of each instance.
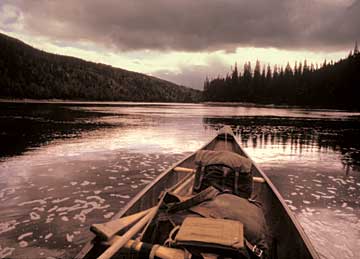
(26, 72)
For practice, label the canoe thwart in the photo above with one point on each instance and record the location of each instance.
(180, 169)
(258, 179)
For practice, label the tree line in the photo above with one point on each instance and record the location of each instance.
(26, 72)
(333, 85)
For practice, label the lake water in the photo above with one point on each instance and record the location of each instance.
(64, 166)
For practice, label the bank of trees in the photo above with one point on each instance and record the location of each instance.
(26, 72)
(333, 85)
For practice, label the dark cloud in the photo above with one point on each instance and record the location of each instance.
(196, 25)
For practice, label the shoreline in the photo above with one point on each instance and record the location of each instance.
(64, 101)
(116, 103)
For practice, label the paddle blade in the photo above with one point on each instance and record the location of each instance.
(107, 230)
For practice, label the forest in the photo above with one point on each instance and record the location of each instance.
(330, 85)
(26, 72)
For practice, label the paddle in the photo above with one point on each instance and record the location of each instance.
(156, 250)
(122, 240)
(107, 230)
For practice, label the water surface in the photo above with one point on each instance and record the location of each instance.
(64, 166)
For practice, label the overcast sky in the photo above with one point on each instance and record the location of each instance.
(184, 41)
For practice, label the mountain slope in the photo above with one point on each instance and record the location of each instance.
(26, 72)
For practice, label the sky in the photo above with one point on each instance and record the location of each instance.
(185, 41)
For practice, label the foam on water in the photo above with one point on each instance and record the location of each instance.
(64, 218)
(23, 244)
(41, 202)
(340, 230)
(6, 252)
(120, 196)
(315, 195)
(84, 183)
(8, 226)
(109, 215)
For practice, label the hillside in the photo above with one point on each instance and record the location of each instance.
(26, 72)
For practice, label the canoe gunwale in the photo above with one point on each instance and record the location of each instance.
(133, 201)
(291, 215)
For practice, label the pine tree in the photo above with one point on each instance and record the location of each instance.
(247, 74)
(276, 72)
(298, 70)
(356, 50)
(305, 68)
(257, 70)
(235, 74)
(325, 63)
(288, 70)
(268, 73)
(263, 73)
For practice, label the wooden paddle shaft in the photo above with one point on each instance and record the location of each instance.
(121, 241)
(156, 250)
(109, 229)
(189, 170)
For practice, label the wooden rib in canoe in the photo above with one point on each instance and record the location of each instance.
(289, 237)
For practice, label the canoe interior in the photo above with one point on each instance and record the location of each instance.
(289, 239)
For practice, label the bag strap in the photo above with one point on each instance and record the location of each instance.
(207, 194)
(253, 248)
(199, 176)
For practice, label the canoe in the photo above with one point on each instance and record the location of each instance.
(288, 236)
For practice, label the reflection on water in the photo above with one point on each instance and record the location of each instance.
(339, 135)
(65, 166)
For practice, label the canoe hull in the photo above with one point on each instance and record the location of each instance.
(289, 239)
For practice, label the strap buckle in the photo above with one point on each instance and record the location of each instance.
(257, 251)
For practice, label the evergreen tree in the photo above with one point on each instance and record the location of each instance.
(268, 73)
(356, 50)
(329, 85)
(235, 75)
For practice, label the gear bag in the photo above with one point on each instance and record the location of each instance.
(206, 235)
(232, 207)
(226, 171)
